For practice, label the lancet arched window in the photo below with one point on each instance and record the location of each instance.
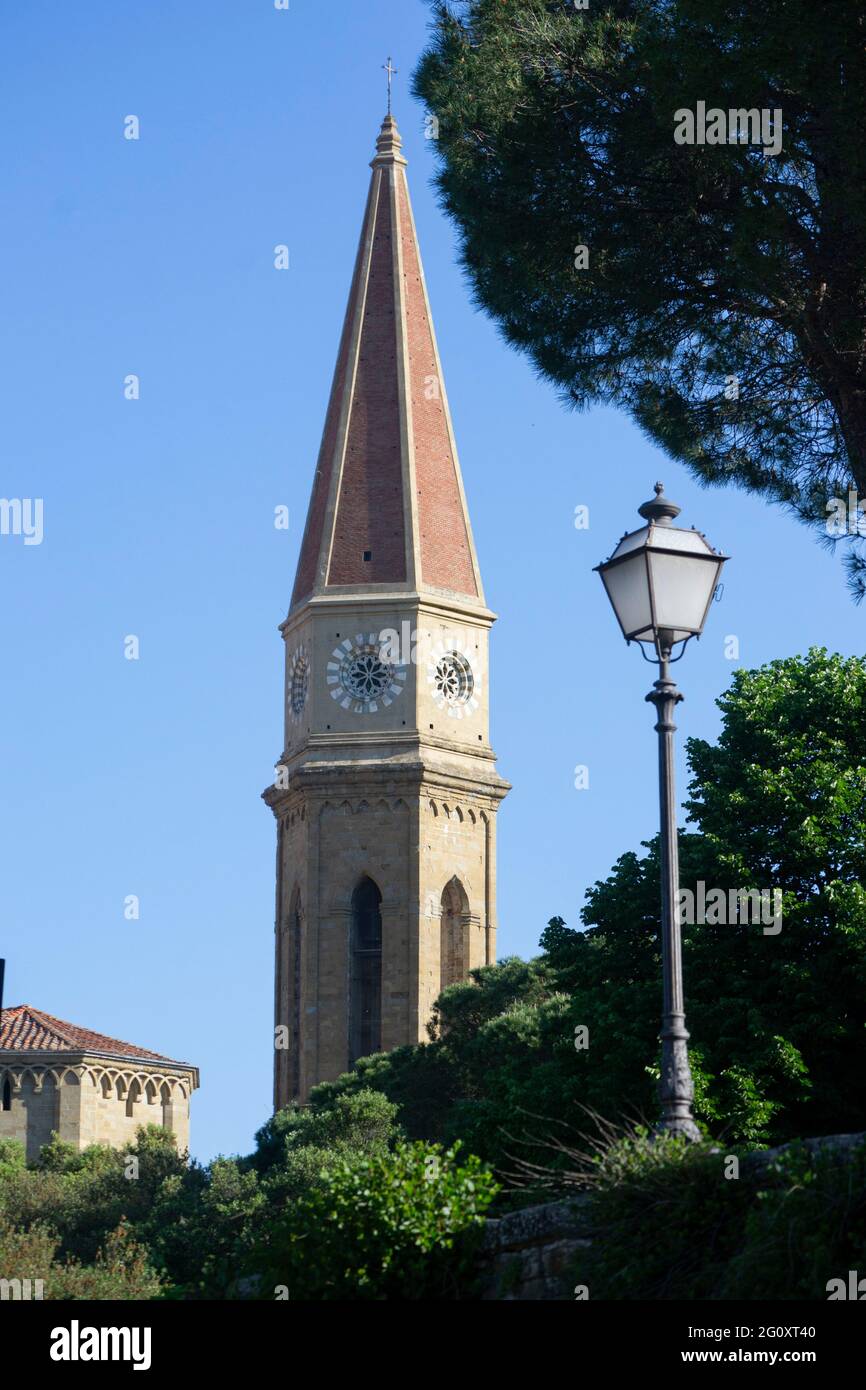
(295, 1052)
(365, 993)
(454, 934)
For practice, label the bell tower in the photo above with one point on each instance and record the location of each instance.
(386, 792)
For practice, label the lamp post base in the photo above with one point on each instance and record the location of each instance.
(676, 1088)
(683, 1127)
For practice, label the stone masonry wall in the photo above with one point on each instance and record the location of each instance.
(529, 1254)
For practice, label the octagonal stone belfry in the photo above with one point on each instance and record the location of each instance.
(386, 793)
(59, 1078)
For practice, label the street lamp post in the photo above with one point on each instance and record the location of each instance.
(661, 580)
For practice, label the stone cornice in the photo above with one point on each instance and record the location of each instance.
(385, 596)
(382, 739)
(354, 782)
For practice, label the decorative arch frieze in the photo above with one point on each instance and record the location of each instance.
(94, 1074)
(351, 807)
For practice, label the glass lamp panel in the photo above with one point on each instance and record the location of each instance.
(627, 588)
(682, 588)
(632, 542)
(675, 538)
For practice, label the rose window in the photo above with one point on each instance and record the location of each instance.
(299, 682)
(364, 675)
(360, 679)
(452, 679)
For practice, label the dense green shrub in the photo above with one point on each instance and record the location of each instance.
(191, 1222)
(365, 1120)
(396, 1225)
(670, 1222)
(189, 1231)
(120, 1269)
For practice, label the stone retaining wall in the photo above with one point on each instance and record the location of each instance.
(529, 1254)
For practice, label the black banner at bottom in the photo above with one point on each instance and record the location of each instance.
(84, 1339)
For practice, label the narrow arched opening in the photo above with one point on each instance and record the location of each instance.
(365, 992)
(453, 934)
(295, 1056)
(288, 1008)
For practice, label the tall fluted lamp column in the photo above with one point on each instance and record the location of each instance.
(661, 580)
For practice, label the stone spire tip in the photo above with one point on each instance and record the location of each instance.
(389, 143)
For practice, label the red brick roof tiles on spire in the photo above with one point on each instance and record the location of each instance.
(387, 504)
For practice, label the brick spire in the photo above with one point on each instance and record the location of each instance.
(387, 509)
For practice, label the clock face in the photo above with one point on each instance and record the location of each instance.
(360, 678)
(453, 683)
(299, 682)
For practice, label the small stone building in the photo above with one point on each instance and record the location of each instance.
(89, 1089)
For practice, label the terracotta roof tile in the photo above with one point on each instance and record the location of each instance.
(25, 1029)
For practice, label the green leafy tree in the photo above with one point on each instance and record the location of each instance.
(722, 292)
(365, 1120)
(298, 1145)
(201, 1226)
(777, 1011)
(394, 1225)
(780, 801)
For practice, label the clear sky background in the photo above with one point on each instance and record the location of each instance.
(155, 257)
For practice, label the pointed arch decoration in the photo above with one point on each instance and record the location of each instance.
(133, 1097)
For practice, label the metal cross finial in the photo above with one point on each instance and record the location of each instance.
(391, 71)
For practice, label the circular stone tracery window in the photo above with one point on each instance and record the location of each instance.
(299, 681)
(453, 683)
(359, 677)
(364, 675)
(453, 679)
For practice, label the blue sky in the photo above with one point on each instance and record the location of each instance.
(155, 257)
